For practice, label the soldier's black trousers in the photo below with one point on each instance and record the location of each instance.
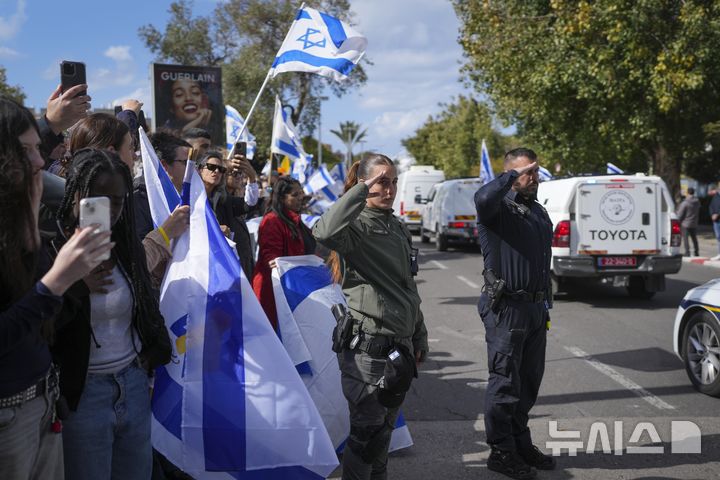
(516, 338)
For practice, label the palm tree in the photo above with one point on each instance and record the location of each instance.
(349, 134)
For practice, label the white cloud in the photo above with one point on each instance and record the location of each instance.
(398, 124)
(8, 53)
(141, 93)
(10, 26)
(119, 53)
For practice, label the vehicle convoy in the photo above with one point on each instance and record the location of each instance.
(413, 186)
(615, 228)
(696, 336)
(449, 213)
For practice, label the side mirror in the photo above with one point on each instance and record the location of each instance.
(419, 199)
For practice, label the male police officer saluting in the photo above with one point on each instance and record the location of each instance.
(515, 237)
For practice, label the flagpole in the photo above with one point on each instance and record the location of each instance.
(231, 153)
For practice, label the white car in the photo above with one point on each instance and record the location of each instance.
(696, 336)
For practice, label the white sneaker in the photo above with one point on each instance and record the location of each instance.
(716, 257)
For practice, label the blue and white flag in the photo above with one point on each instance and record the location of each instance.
(338, 172)
(285, 139)
(544, 174)
(231, 405)
(233, 123)
(301, 167)
(613, 169)
(162, 195)
(486, 171)
(319, 180)
(321, 44)
(304, 294)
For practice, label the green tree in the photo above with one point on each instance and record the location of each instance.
(329, 157)
(451, 140)
(349, 134)
(14, 92)
(243, 36)
(632, 82)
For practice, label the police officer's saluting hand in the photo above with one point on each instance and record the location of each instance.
(375, 262)
(515, 235)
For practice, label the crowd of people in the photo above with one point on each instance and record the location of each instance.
(80, 326)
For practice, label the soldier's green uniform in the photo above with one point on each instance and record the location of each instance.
(381, 293)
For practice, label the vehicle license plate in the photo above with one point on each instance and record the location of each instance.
(617, 261)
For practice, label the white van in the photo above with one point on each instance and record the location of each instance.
(450, 213)
(617, 228)
(413, 186)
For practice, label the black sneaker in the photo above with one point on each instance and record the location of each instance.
(510, 464)
(534, 457)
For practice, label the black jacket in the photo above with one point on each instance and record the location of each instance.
(73, 336)
(715, 204)
(229, 211)
(143, 218)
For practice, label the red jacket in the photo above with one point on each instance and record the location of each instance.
(274, 240)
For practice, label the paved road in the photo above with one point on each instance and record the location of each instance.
(609, 359)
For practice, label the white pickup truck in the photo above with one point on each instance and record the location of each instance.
(616, 228)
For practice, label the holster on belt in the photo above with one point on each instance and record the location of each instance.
(342, 333)
(495, 288)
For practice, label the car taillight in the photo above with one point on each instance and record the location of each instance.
(402, 208)
(456, 224)
(561, 236)
(675, 233)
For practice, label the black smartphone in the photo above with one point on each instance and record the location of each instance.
(142, 121)
(71, 74)
(241, 148)
(118, 109)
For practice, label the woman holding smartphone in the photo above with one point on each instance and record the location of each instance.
(108, 343)
(31, 289)
(374, 261)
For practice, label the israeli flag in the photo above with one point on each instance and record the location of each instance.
(486, 171)
(304, 294)
(285, 139)
(301, 167)
(544, 174)
(233, 123)
(321, 44)
(339, 173)
(319, 180)
(613, 169)
(231, 405)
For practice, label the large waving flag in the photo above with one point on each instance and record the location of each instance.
(285, 139)
(231, 405)
(486, 171)
(321, 44)
(304, 293)
(338, 172)
(233, 124)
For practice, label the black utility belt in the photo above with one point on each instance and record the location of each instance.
(376, 345)
(523, 296)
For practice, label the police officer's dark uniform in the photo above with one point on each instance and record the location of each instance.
(515, 235)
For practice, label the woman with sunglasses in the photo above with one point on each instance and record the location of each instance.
(228, 209)
(281, 234)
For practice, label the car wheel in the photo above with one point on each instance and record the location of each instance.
(637, 288)
(441, 242)
(558, 285)
(701, 353)
(423, 236)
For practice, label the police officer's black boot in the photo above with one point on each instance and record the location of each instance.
(534, 457)
(511, 464)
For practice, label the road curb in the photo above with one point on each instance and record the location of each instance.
(702, 261)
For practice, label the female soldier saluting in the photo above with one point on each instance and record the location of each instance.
(375, 250)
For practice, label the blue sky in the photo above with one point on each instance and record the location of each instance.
(411, 42)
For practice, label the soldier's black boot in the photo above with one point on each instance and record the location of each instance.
(510, 464)
(535, 458)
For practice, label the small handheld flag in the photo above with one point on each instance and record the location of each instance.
(613, 169)
(486, 171)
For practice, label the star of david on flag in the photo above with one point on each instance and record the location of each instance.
(233, 123)
(319, 43)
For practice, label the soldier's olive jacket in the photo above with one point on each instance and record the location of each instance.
(375, 249)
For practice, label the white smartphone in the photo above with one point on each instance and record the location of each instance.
(96, 210)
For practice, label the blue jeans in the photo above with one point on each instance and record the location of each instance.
(716, 228)
(108, 437)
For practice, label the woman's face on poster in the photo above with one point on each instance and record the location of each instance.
(187, 100)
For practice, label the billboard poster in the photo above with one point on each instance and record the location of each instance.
(186, 97)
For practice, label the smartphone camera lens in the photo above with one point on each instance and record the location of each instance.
(68, 69)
